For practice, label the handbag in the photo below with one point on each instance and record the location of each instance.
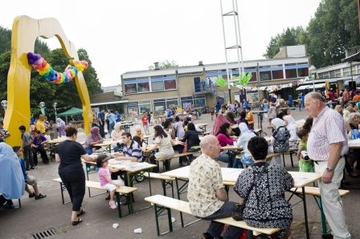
(237, 213)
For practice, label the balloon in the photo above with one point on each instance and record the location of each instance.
(44, 69)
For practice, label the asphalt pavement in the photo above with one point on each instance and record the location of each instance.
(49, 218)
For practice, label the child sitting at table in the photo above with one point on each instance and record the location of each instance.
(105, 178)
(305, 164)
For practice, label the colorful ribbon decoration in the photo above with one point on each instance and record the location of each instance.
(44, 69)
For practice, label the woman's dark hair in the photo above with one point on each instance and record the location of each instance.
(70, 131)
(242, 115)
(281, 115)
(137, 139)
(177, 119)
(223, 129)
(231, 117)
(258, 147)
(308, 124)
(191, 126)
(159, 131)
(166, 123)
(186, 122)
(100, 159)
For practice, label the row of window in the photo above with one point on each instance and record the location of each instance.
(265, 73)
(159, 106)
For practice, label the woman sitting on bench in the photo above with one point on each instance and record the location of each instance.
(263, 186)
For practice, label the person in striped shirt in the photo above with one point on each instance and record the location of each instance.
(326, 145)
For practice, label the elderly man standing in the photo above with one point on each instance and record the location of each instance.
(326, 144)
(206, 193)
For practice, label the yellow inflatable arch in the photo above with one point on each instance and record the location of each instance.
(25, 31)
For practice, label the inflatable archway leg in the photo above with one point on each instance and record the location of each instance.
(25, 31)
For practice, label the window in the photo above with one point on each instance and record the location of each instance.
(197, 84)
(130, 88)
(170, 84)
(277, 74)
(171, 103)
(159, 107)
(157, 86)
(143, 87)
(291, 73)
(144, 106)
(303, 72)
(265, 76)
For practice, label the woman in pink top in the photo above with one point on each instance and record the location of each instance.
(224, 137)
(105, 178)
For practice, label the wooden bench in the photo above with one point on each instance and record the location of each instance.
(315, 192)
(165, 181)
(122, 191)
(161, 203)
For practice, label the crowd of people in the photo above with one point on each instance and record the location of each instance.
(322, 143)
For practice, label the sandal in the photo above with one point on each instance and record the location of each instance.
(74, 223)
(81, 212)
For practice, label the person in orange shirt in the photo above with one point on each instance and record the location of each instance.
(357, 96)
(250, 117)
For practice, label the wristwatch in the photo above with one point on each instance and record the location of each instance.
(329, 169)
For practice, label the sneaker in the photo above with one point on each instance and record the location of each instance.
(32, 195)
(112, 204)
(206, 235)
(107, 198)
(40, 196)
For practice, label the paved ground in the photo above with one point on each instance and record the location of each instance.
(49, 214)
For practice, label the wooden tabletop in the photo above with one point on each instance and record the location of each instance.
(231, 147)
(354, 143)
(56, 141)
(230, 175)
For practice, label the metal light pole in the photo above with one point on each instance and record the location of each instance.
(55, 113)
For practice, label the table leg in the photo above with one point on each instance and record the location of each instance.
(305, 213)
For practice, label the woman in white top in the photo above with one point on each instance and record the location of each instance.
(293, 128)
(116, 136)
(163, 143)
(246, 135)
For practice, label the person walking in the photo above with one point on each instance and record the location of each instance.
(71, 172)
(327, 143)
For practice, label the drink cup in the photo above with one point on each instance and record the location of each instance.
(115, 225)
(138, 230)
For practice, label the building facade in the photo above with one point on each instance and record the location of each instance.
(160, 89)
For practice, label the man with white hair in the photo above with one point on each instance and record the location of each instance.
(326, 145)
(206, 193)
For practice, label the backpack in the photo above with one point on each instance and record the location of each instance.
(281, 142)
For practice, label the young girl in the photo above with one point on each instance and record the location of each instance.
(105, 178)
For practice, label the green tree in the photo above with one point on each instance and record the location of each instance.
(333, 30)
(289, 37)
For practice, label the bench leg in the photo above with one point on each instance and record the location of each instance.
(165, 183)
(158, 211)
(323, 219)
(62, 188)
(118, 204)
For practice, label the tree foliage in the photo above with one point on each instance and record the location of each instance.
(333, 29)
(165, 65)
(289, 37)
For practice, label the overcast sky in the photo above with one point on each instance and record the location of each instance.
(122, 36)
